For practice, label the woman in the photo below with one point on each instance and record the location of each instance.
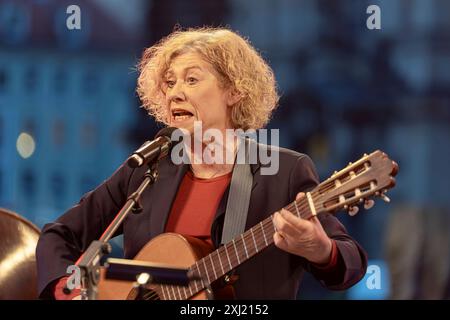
(216, 78)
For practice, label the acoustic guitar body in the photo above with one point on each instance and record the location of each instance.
(169, 249)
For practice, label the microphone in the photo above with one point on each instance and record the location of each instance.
(154, 149)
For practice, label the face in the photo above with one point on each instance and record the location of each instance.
(193, 93)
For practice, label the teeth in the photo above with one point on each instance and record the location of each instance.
(180, 118)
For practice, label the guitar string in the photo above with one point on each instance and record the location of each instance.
(331, 184)
(150, 296)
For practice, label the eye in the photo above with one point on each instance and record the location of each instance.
(192, 80)
(170, 83)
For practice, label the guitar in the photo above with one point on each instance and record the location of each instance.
(358, 183)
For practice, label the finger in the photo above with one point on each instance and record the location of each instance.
(285, 227)
(299, 196)
(280, 241)
(278, 221)
(299, 224)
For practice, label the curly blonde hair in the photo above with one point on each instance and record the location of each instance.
(238, 64)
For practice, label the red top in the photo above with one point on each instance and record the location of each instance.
(196, 204)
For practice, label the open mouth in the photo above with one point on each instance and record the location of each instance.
(181, 114)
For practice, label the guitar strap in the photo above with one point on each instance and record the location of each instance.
(239, 195)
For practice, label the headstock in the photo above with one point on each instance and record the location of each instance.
(358, 183)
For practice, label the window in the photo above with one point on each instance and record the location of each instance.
(60, 81)
(88, 135)
(90, 85)
(58, 133)
(28, 185)
(15, 22)
(58, 188)
(3, 80)
(31, 79)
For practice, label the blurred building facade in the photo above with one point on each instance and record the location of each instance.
(72, 91)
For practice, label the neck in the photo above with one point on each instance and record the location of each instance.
(210, 171)
(213, 158)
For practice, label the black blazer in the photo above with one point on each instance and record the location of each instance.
(271, 274)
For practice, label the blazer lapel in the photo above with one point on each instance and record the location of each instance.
(164, 193)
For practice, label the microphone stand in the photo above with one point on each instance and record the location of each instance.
(89, 262)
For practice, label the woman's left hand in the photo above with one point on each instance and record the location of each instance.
(302, 237)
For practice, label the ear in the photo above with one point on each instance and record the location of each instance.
(233, 97)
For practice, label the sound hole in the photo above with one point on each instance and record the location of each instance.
(144, 294)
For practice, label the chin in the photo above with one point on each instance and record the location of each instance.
(185, 125)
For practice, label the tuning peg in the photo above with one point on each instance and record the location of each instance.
(385, 198)
(368, 203)
(353, 210)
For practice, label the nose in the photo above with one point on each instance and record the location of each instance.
(176, 94)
